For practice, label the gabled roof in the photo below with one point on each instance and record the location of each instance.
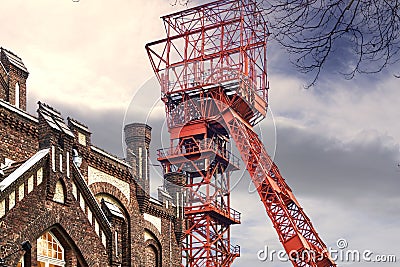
(24, 167)
(54, 119)
(14, 59)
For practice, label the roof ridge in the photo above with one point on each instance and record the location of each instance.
(11, 52)
(109, 155)
(54, 119)
(47, 106)
(14, 59)
(69, 119)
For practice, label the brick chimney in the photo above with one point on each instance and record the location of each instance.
(137, 139)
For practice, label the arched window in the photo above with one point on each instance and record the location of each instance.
(50, 253)
(17, 95)
(59, 195)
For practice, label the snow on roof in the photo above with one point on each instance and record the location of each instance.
(64, 127)
(51, 122)
(54, 119)
(91, 193)
(14, 59)
(100, 151)
(17, 110)
(155, 201)
(23, 168)
(114, 210)
(79, 125)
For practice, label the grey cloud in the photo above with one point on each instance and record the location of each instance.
(347, 188)
(348, 191)
(351, 170)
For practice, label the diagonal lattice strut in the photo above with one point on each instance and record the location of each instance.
(294, 228)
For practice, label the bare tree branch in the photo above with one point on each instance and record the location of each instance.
(181, 2)
(312, 31)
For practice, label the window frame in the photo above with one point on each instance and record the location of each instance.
(17, 95)
(47, 260)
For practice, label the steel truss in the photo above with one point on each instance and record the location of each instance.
(212, 68)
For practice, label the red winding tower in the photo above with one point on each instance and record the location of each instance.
(212, 68)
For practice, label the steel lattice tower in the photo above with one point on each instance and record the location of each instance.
(212, 68)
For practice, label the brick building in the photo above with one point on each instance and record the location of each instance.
(76, 204)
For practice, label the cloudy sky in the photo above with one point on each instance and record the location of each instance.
(337, 143)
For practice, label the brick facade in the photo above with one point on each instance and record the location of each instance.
(13, 75)
(53, 180)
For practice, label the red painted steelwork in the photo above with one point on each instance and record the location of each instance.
(212, 68)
